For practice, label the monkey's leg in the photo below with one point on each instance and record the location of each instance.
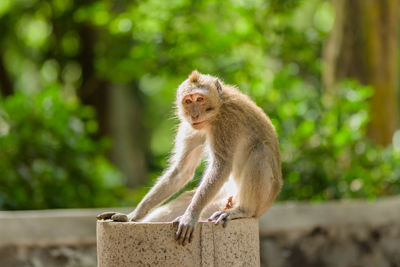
(257, 189)
(171, 210)
(177, 207)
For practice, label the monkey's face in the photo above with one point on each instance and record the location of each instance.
(197, 110)
(198, 99)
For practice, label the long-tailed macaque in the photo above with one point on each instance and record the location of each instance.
(243, 176)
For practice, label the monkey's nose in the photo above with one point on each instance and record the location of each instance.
(195, 117)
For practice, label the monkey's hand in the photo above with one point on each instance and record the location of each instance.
(219, 216)
(115, 216)
(185, 224)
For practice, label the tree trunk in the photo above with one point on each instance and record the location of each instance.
(94, 90)
(6, 86)
(363, 45)
(130, 138)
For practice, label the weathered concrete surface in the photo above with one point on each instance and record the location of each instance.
(153, 244)
(343, 233)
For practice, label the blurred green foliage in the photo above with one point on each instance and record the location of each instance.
(270, 49)
(47, 157)
(325, 152)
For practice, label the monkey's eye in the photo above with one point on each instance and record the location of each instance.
(209, 109)
(199, 99)
(188, 101)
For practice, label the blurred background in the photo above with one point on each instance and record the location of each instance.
(87, 91)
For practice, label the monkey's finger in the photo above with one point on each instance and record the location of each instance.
(119, 217)
(183, 235)
(175, 222)
(178, 232)
(105, 215)
(191, 236)
(221, 217)
(225, 223)
(187, 236)
(214, 216)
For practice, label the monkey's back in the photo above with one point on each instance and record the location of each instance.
(241, 112)
(241, 119)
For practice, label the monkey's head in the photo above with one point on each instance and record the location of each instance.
(198, 99)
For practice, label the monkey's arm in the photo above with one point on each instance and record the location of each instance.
(215, 176)
(187, 156)
(189, 146)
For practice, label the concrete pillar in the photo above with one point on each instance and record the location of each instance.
(153, 244)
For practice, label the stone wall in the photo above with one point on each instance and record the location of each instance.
(334, 246)
(76, 255)
(351, 233)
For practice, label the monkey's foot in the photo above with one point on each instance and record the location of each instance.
(115, 216)
(219, 216)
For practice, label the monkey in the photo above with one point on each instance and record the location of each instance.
(243, 174)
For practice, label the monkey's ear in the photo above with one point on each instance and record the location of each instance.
(219, 87)
(194, 76)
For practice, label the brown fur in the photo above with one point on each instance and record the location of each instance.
(243, 159)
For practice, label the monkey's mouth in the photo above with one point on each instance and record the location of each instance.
(198, 125)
